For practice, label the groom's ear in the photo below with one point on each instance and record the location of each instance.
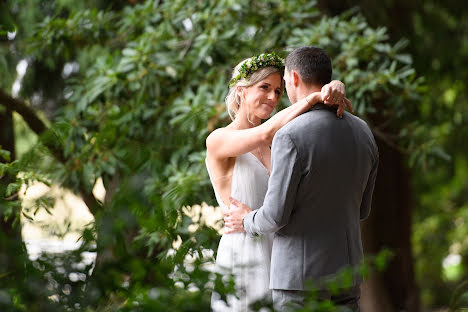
(295, 78)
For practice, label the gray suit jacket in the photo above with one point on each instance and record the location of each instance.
(323, 171)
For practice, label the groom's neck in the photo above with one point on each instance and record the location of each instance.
(305, 90)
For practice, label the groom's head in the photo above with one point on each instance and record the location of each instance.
(307, 69)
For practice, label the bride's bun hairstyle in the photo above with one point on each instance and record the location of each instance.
(249, 72)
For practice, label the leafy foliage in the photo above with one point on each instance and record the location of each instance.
(136, 90)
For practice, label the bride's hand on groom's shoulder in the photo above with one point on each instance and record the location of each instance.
(234, 216)
(333, 94)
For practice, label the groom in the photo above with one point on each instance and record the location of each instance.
(323, 171)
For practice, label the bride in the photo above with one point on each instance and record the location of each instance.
(238, 163)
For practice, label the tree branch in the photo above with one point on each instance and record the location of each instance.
(39, 127)
(28, 114)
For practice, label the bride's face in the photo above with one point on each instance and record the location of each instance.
(262, 97)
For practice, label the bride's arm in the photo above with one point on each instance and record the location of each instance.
(224, 143)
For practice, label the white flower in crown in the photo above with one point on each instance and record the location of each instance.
(249, 63)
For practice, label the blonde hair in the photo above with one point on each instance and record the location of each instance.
(233, 99)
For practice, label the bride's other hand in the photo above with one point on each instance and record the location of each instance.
(342, 107)
(234, 217)
(333, 94)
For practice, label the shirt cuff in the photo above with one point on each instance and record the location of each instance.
(249, 224)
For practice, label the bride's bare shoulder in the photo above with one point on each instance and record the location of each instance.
(213, 137)
(217, 135)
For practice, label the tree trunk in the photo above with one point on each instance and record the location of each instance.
(389, 226)
(12, 249)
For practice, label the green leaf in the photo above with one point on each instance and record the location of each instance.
(5, 155)
(382, 259)
(404, 58)
(28, 216)
(12, 188)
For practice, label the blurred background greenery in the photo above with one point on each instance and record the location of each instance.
(111, 101)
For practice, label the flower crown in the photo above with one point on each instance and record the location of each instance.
(254, 63)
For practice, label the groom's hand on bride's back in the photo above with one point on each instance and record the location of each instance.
(234, 216)
(333, 94)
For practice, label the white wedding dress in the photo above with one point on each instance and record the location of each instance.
(246, 257)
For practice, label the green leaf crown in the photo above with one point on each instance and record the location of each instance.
(254, 63)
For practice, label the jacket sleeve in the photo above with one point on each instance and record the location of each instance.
(282, 188)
